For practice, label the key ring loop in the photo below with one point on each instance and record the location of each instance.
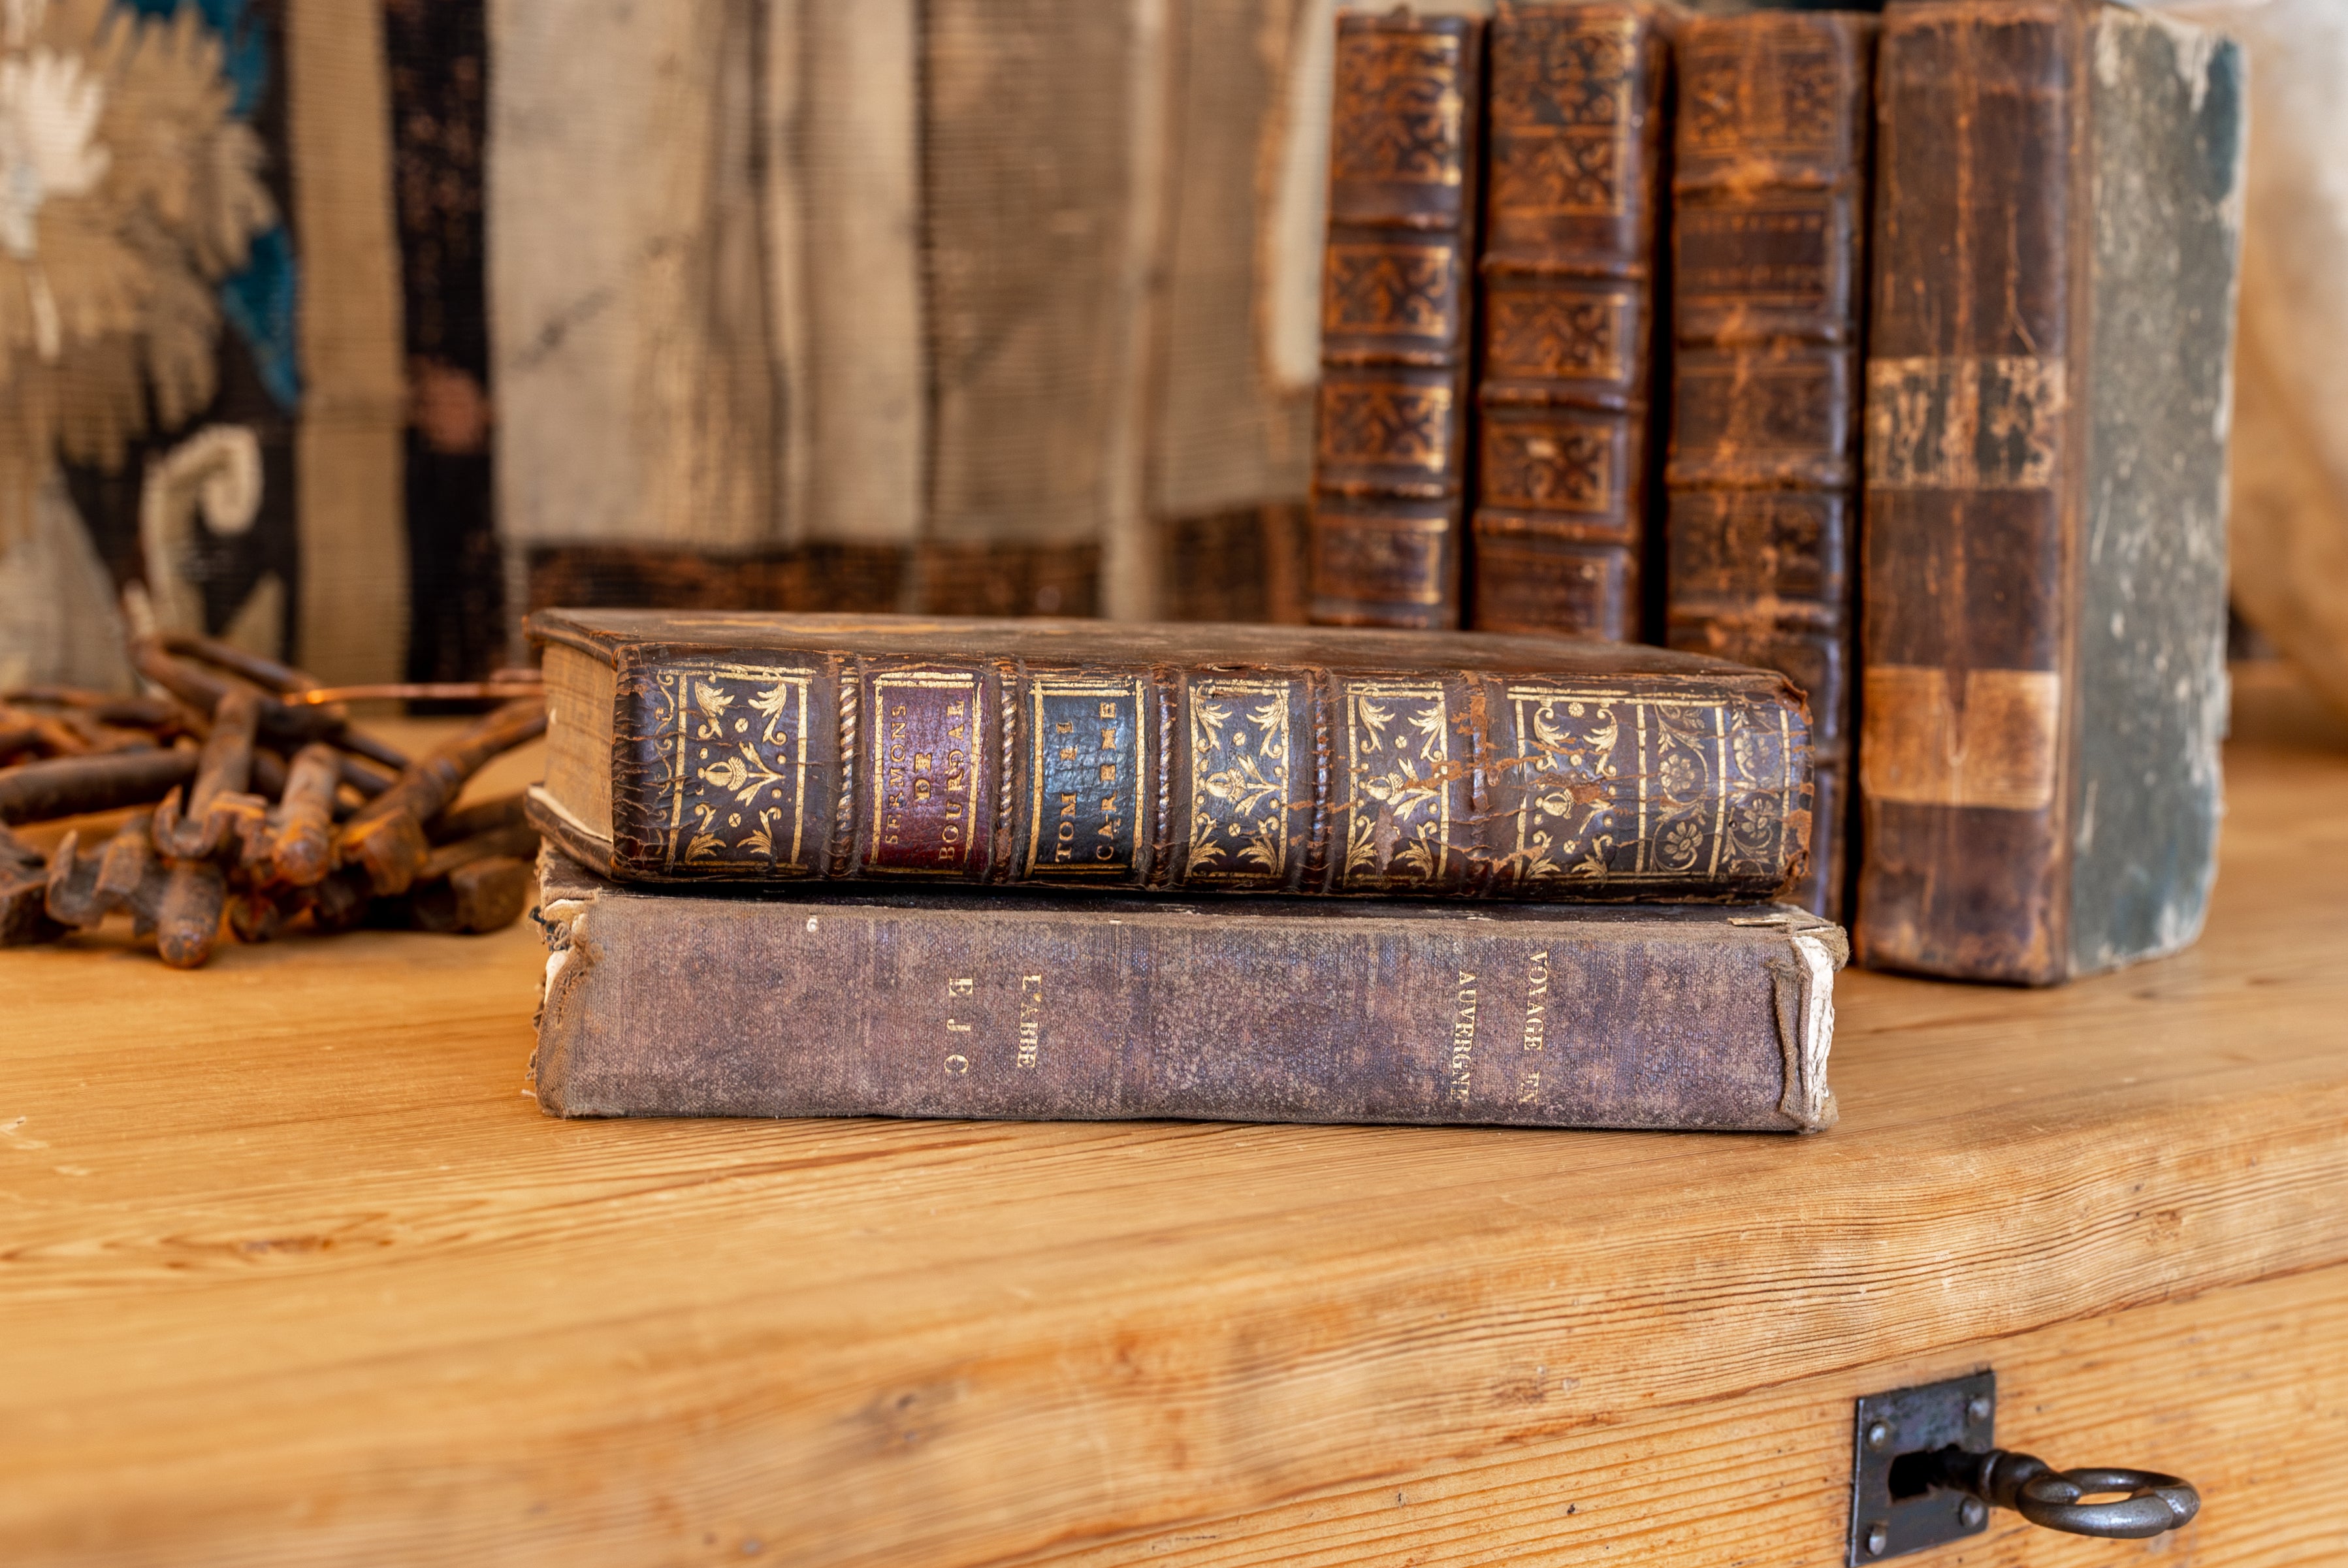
(2154, 1502)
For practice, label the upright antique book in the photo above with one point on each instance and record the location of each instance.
(1768, 220)
(1391, 451)
(1250, 758)
(782, 1001)
(2056, 234)
(1566, 424)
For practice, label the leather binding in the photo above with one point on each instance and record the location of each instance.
(1391, 445)
(1569, 283)
(1768, 220)
(1233, 758)
(2058, 185)
(1039, 1006)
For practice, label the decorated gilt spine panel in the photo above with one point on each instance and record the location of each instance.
(1390, 448)
(1769, 222)
(1570, 287)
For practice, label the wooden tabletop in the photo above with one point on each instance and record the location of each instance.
(291, 1270)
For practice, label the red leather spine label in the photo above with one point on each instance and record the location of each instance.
(931, 784)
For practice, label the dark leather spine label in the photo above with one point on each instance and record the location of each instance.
(1392, 443)
(1569, 297)
(1534, 570)
(1788, 255)
(931, 796)
(1090, 776)
(1768, 184)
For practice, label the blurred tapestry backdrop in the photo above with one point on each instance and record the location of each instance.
(351, 329)
(977, 306)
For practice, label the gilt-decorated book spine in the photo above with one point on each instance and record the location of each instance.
(1391, 443)
(782, 766)
(837, 1002)
(1768, 225)
(1570, 287)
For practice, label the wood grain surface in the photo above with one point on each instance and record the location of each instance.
(292, 1271)
(2244, 1392)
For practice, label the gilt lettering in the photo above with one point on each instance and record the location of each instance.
(1536, 1035)
(923, 813)
(1031, 1019)
(1463, 1035)
(1095, 785)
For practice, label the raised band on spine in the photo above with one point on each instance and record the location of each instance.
(1319, 702)
(847, 682)
(1167, 691)
(1010, 681)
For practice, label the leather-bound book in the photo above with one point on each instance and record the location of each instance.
(2058, 188)
(1235, 759)
(1569, 282)
(1055, 1006)
(1391, 447)
(1768, 220)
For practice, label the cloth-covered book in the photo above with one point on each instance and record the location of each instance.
(1045, 1005)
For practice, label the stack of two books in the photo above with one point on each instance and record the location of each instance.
(825, 865)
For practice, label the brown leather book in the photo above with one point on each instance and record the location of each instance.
(1244, 758)
(1565, 432)
(2058, 190)
(1052, 1007)
(1768, 219)
(1390, 448)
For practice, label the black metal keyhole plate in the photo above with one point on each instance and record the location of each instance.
(1892, 1511)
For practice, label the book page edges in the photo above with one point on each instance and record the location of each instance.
(580, 689)
(1805, 1008)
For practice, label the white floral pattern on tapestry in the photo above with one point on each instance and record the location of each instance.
(127, 191)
